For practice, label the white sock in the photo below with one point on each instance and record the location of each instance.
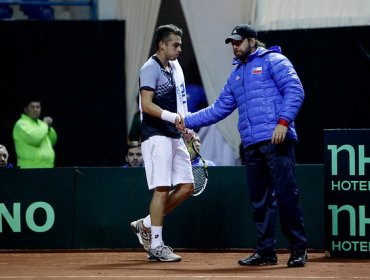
(156, 236)
(147, 222)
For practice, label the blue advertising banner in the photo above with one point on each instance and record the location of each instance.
(347, 192)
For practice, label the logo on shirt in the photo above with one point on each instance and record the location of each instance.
(237, 78)
(257, 70)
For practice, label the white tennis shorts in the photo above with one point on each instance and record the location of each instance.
(167, 162)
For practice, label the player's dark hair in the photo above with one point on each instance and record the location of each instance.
(163, 33)
(133, 144)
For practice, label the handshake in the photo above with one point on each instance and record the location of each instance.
(187, 134)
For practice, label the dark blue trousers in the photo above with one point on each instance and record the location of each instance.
(270, 172)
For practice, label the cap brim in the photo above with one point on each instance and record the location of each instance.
(234, 37)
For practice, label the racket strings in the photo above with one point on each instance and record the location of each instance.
(200, 178)
(200, 173)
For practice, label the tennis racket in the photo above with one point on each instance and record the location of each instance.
(200, 171)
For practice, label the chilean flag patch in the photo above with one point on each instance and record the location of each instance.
(257, 70)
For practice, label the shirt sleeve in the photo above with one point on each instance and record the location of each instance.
(149, 76)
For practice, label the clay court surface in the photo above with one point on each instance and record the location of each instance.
(195, 265)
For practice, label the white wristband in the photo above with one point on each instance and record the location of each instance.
(169, 116)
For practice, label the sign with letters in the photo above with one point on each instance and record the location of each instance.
(347, 192)
(36, 208)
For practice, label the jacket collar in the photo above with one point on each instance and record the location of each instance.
(258, 53)
(26, 117)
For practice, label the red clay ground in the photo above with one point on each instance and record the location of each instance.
(195, 265)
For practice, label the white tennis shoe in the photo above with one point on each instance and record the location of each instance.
(164, 254)
(143, 234)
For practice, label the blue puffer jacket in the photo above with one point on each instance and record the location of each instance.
(265, 89)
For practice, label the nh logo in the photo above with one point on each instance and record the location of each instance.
(361, 160)
(351, 211)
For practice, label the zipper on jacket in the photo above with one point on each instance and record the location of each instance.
(246, 106)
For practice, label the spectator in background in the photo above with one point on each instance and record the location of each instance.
(4, 156)
(134, 157)
(195, 159)
(34, 138)
(38, 12)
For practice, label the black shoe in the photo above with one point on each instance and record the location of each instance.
(256, 259)
(298, 258)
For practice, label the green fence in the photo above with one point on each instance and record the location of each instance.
(77, 208)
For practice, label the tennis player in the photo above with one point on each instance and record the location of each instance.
(166, 159)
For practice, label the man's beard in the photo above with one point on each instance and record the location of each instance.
(241, 56)
(244, 54)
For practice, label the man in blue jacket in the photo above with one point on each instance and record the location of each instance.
(268, 94)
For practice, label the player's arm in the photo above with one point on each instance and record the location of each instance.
(147, 104)
(154, 110)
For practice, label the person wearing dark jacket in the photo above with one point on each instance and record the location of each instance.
(268, 94)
